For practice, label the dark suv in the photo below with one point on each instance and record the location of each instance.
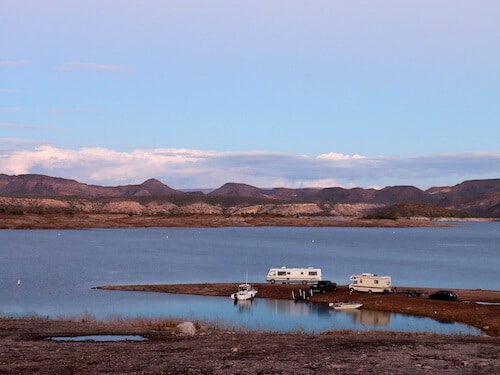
(323, 286)
(444, 295)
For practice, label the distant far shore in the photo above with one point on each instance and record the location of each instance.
(88, 220)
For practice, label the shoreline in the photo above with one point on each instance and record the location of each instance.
(26, 348)
(88, 221)
(484, 316)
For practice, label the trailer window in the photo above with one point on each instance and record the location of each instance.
(313, 273)
(281, 273)
(375, 281)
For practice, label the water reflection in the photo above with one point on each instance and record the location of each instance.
(369, 318)
(280, 315)
(245, 306)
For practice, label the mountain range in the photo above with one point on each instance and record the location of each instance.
(480, 198)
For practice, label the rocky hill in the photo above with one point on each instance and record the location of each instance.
(34, 185)
(39, 193)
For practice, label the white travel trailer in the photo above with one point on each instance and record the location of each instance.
(369, 282)
(293, 275)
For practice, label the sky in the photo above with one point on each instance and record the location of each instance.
(269, 93)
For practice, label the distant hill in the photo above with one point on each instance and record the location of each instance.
(35, 185)
(412, 209)
(470, 198)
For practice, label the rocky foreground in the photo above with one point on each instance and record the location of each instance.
(25, 347)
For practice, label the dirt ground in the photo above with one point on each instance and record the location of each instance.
(25, 349)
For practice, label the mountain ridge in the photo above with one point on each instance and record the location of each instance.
(473, 197)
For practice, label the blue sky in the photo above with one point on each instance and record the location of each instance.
(268, 93)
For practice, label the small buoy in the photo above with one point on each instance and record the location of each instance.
(18, 282)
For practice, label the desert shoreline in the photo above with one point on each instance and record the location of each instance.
(26, 346)
(214, 349)
(109, 221)
(475, 307)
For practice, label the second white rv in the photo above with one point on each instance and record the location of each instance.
(293, 275)
(371, 283)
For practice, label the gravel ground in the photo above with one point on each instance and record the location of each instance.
(24, 349)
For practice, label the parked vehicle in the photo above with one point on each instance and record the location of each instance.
(371, 283)
(412, 293)
(323, 286)
(445, 295)
(293, 275)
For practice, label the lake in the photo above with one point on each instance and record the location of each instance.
(58, 268)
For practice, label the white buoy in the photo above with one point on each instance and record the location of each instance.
(19, 282)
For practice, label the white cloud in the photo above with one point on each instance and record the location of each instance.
(93, 66)
(336, 156)
(186, 168)
(14, 63)
(29, 126)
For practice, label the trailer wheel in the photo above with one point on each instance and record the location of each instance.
(272, 281)
(370, 291)
(304, 282)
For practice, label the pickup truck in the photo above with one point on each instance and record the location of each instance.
(323, 286)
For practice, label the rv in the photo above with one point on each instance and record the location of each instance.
(369, 282)
(293, 275)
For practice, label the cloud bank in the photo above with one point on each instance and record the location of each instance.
(191, 169)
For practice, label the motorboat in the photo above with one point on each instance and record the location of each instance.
(345, 305)
(245, 292)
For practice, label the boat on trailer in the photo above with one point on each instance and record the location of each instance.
(245, 292)
(345, 305)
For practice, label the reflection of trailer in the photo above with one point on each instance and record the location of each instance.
(293, 275)
(369, 282)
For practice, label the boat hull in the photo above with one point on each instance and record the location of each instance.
(242, 297)
(245, 292)
(345, 305)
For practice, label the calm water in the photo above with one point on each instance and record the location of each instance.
(57, 270)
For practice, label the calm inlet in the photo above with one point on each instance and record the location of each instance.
(57, 269)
